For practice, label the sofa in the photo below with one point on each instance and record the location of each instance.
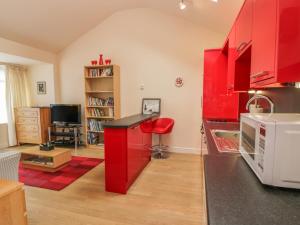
(9, 165)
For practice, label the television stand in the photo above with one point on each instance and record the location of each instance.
(65, 134)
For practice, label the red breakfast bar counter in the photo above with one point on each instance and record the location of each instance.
(127, 150)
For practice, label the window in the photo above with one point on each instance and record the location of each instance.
(3, 113)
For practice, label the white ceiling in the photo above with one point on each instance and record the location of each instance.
(53, 24)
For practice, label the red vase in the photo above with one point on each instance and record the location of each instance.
(101, 60)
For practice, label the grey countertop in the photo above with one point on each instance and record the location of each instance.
(128, 121)
(235, 196)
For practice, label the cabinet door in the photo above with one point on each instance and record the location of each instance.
(210, 89)
(115, 151)
(244, 26)
(134, 152)
(146, 129)
(218, 103)
(288, 41)
(232, 54)
(264, 41)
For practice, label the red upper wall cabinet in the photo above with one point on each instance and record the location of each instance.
(264, 41)
(288, 34)
(239, 54)
(244, 26)
(276, 43)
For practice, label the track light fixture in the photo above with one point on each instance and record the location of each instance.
(182, 5)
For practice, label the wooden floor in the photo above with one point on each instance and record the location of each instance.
(168, 192)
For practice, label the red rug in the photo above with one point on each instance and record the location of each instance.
(60, 179)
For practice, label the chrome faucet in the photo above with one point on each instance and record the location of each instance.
(255, 97)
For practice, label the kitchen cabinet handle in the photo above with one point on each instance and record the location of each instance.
(260, 74)
(242, 46)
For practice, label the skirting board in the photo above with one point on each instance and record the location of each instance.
(3, 146)
(196, 151)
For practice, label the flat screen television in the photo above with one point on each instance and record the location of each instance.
(68, 114)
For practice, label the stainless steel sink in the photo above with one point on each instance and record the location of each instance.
(226, 140)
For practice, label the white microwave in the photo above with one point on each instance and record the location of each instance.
(270, 144)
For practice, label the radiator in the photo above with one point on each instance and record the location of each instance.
(9, 165)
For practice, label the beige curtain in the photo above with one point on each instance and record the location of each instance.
(17, 94)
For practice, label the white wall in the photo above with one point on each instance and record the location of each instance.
(41, 72)
(3, 136)
(151, 48)
(18, 49)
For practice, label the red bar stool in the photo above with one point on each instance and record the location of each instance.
(161, 126)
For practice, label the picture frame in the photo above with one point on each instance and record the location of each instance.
(41, 87)
(151, 106)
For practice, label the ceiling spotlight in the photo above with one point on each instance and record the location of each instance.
(182, 5)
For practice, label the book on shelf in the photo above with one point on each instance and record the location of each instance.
(96, 112)
(93, 73)
(111, 112)
(109, 101)
(101, 72)
(95, 139)
(94, 101)
(95, 125)
(92, 138)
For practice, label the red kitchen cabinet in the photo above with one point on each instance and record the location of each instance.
(147, 141)
(242, 71)
(263, 50)
(288, 35)
(127, 152)
(134, 152)
(232, 55)
(210, 84)
(276, 43)
(244, 26)
(239, 50)
(264, 41)
(138, 144)
(218, 102)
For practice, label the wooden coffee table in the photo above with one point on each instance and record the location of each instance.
(49, 161)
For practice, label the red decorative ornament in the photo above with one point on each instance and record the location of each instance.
(94, 62)
(108, 61)
(101, 60)
(179, 82)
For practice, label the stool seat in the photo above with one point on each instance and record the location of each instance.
(147, 126)
(161, 126)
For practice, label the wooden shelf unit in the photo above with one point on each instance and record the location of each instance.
(102, 83)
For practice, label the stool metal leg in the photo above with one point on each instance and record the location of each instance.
(158, 150)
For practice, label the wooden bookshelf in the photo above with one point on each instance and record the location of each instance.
(102, 101)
